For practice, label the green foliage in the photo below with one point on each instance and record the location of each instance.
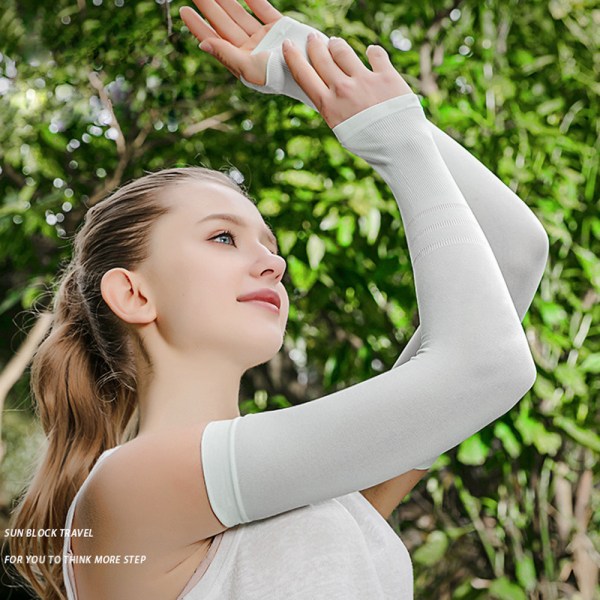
(516, 83)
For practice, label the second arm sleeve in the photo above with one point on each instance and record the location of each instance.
(472, 366)
(515, 234)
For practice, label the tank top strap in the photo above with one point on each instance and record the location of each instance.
(68, 575)
(71, 510)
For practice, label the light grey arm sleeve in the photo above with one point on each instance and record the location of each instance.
(516, 236)
(514, 233)
(473, 365)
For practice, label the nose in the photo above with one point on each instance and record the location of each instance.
(267, 261)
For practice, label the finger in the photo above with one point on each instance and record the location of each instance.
(221, 22)
(264, 10)
(196, 24)
(304, 74)
(345, 57)
(322, 61)
(238, 14)
(379, 59)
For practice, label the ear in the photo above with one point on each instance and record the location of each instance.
(122, 291)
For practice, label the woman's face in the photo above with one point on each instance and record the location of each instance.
(197, 272)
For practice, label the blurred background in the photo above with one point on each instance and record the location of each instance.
(96, 93)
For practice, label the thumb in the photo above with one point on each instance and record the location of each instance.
(379, 58)
(225, 52)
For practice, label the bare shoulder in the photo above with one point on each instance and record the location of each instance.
(153, 488)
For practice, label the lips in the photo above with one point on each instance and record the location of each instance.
(264, 294)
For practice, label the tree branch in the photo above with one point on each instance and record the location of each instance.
(18, 363)
(99, 86)
(214, 122)
(168, 18)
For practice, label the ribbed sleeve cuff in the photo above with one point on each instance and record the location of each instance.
(220, 472)
(364, 119)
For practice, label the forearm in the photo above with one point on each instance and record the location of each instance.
(266, 463)
(516, 236)
(514, 233)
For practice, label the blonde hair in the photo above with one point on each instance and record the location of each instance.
(83, 374)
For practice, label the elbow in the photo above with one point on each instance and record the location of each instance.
(525, 269)
(521, 369)
(530, 261)
(541, 248)
(508, 372)
(534, 237)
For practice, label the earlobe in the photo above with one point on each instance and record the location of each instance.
(121, 290)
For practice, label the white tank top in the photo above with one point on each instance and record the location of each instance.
(337, 549)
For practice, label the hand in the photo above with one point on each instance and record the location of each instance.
(234, 33)
(338, 84)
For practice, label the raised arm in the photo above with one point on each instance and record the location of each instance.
(474, 362)
(516, 236)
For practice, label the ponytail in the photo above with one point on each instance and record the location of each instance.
(84, 373)
(81, 419)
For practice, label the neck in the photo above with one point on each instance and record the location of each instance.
(187, 390)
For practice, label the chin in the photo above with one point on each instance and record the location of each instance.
(264, 353)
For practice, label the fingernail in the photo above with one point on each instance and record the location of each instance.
(206, 47)
(312, 35)
(287, 43)
(334, 39)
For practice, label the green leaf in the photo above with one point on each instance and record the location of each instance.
(54, 140)
(571, 377)
(300, 179)
(552, 313)
(550, 106)
(504, 589)
(370, 224)
(590, 263)
(585, 437)
(345, 230)
(525, 571)
(303, 277)
(544, 388)
(30, 294)
(546, 442)
(509, 441)
(534, 433)
(472, 451)
(90, 26)
(433, 550)
(591, 364)
(315, 250)
(286, 241)
(11, 298)
(300, 146)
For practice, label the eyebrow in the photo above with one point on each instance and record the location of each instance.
(239, 221)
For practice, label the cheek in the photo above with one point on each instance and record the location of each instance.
(285, 309)
(197, 283)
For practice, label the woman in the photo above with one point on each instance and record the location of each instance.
(175, 290)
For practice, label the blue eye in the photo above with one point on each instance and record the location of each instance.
(226, 232)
